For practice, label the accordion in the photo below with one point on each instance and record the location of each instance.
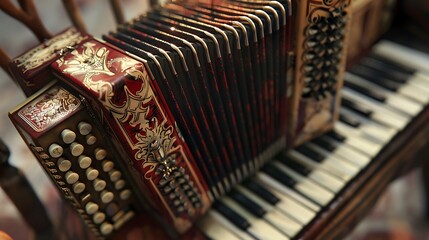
(176, 107)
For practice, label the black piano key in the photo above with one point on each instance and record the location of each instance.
(336, 136)
(349, 120)
(393, 65)
(280, 176)
(323, 143)
(357, 108)
(366, 91)
(294, 165)
(310, 153)
(374, 76)
(248, 204)
(261, 192)
(231, 215)
(390, 71)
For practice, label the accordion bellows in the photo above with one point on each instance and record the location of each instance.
(176, 107)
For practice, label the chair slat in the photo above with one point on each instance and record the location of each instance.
(4, 60)
(74, 14)
(117, 11)
(28, 15)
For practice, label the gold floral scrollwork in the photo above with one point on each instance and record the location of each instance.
(139, 116)
(47, 51)
(155, 147)
(49, 108)
(330, 3)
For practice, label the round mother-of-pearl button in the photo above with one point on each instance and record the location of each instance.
(78, 187)
(99, 185)
(71, 177)
(124, 195)
(91, 208)
(84, 161)
(76, 149)
(106, 196)
(115, 175)
(84, 128)
(120, 184)
(99, 217)
(55, 150)
(68, 136)
(106, 228)
(100, 153)
(90, 139)
(107, 165)
(91, 173)
(63, 164)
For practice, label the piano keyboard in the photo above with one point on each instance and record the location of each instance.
(381, 95)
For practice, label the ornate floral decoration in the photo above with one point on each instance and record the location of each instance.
(44, 111)
(47, 51)
(122, 86)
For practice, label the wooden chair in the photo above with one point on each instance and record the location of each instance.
(27, 14)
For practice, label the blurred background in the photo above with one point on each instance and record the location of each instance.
(397, 215)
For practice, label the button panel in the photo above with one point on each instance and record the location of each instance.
(88, 173)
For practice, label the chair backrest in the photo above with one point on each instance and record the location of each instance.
(86, 16)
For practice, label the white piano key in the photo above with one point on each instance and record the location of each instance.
(274, 185)
(308, 187)
(213, 229)
(364, 144)
(228, 225)
(388, 120)
(394, 100)
(341, 149)
(360, 145)
(281, 221)
(348, 153)
(403, 104)
(350, 132)
(369, 137)
(422, 76)
(287, 206)
(326, 180)
(258, 227)
(404, 55)
(334, 170)
(380, 111)
(415, 91)
(332, 161)
(385, 133)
